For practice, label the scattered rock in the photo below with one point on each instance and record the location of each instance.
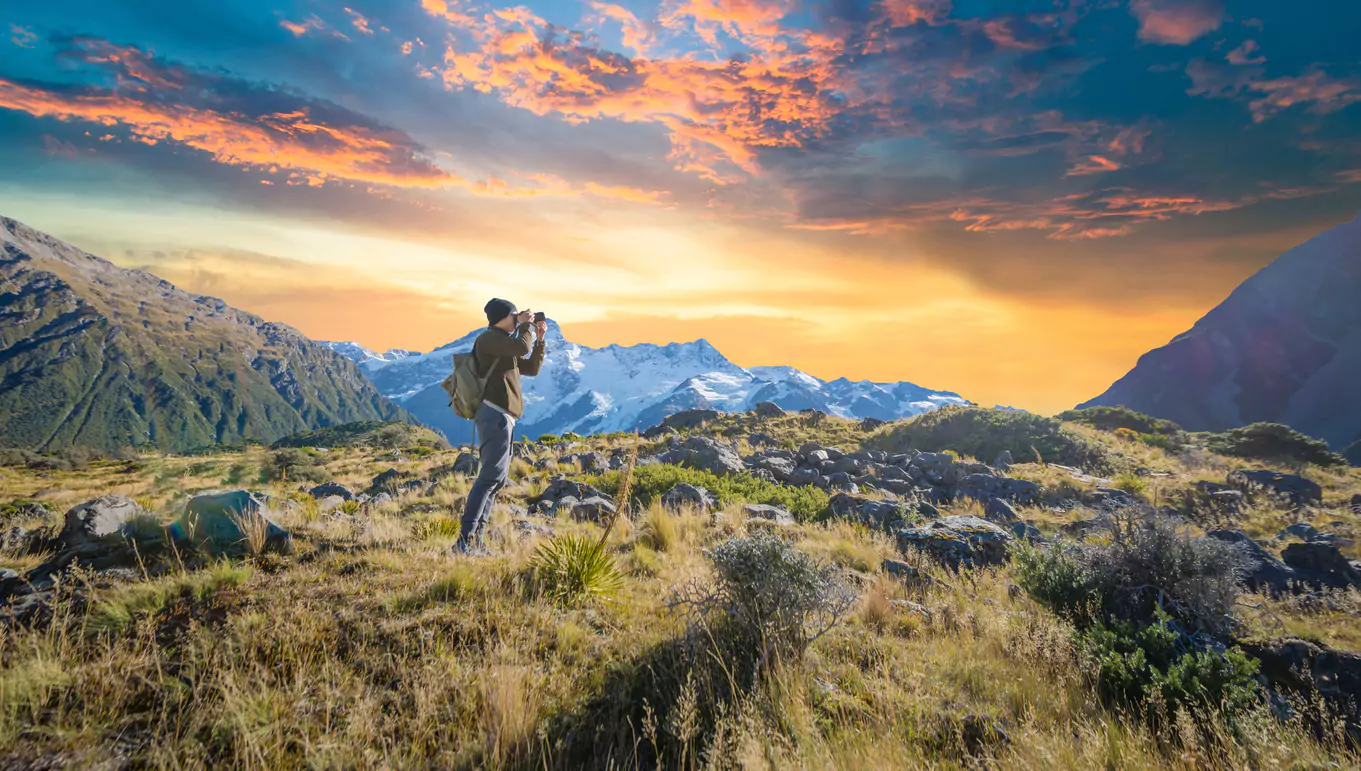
(981, 487)
(1356, 503)
(561, 487)
(869, 424)
(759, 440)
(330, 489)
(23, 510)
(465, 464)
(958, 541)
(225, 522)
(868, 511)
(594, 509)
(1266, 572)
(707, 454)
(1024, 531)
(904, 572)
(1298, 490)
(908, 606)
(1329, 566)
(1306, 670)
(999, 511)
(768, 410)
(689, 496)
(97, 520)
(768, 513)
(1004, 461)
(1302, 530)
(689, 419)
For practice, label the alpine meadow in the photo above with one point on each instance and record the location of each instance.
(680, 384)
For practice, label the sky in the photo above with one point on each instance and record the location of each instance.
(1009, 200)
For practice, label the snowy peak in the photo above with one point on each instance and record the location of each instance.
(361, 355)
(622, 387)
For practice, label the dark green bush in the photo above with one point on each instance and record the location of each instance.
(1141, 666)
(1111, 418)
(1148, 565)
(1274, 443)
(293, 464)
(984, 433)
(367, 433)
(652, 481)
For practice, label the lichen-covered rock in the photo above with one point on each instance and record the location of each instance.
(1265, 571)
(233, 521)
(768, 513)
(686, 495)
(330, 489)
(97, 520)
(958, 541)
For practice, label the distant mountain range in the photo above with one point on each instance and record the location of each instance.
(1284, 347)
(593, 390)
(104, 357)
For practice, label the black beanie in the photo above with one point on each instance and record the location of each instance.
(498, 309)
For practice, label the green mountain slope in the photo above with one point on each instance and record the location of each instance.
(96, 355)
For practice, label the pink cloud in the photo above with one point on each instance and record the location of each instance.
(1176, 22)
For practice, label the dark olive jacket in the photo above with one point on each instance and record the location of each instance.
(506, 355)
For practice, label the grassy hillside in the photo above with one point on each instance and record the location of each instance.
(367, 645)
(97, 356)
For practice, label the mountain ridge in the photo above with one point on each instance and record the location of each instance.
(1284, 346)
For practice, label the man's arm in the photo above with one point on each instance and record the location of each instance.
(517, 345)
(531, 365)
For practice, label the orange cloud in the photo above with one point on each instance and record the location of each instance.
(22, 36)
(289, 140)
(1325, 94)
(310, 24)
(359, 21)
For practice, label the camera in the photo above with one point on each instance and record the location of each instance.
(539, 316)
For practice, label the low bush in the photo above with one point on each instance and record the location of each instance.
(984, 433)
(767, 599)
(652, 481)
(1149, 564)
(1274, 443)
(1151, 667)
(1121, 418)
(293, 464)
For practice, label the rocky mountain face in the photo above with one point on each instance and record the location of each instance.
(96, 355)
(1284, 347)
(592, 390)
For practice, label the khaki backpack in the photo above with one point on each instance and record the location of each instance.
(465, 386)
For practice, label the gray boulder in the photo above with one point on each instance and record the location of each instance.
(102, 519)
(559, 488)
(689, 496)
(1004, 461)
(768, 410)
(768, 513)
(904, 572)
(1265, 572)
(1356, 503)
(707, 454)
(22, 510)
(869, 424)
(1296, 489)
(781, 468)
(758, 439)
(868, 511)
(1302, 530)
(999, 511)
(227, 521)
(594, 509)
(466, 464)
(958, 541)
(1024, 531)
(803, 477)
(982, 487)
(808, 448)
(1328, 566)
(330, 489)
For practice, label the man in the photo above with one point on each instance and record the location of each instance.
(503, 352)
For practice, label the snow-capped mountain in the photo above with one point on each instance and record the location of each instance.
(595, 390)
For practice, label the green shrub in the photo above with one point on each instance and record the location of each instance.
(1116, 418)
(1274, 442)
(571, 569)
(984, 433)
(652, 481)
(1160, 441)
(435, 527)
(375, 434)
(1141, 666)
(293, 464)
(1058, 577)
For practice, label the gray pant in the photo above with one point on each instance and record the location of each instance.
(493, 445)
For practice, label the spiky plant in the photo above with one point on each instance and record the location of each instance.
(571, 569)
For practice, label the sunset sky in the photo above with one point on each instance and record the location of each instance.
(1010, 200)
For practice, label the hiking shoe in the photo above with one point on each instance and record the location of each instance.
(469, 550)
